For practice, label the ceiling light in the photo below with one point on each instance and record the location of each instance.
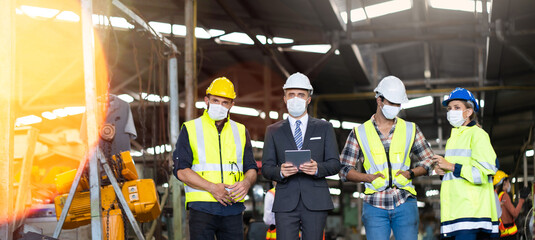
(273, 115)
(257, 144)
(335, 191)
(315, 48)
(349, 125)
(280, 40)
(418, 102)
(68, 16)
(49, 115)
(27, 120)
(60, 112)
(263, 115)
(333, 177)
(39, 11)
(74, 110)
(126, 97)
(459, 5)
(161, 27)
(245, 111)
(358, 195)
(200, 105)
(285, 115)
(237, 37)
(335, 123)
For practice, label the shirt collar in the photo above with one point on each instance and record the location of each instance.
(304, 120)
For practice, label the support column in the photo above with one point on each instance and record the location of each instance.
(267, 89)
(190, 57)
(174, 128)
(7, 121)
(88, 38)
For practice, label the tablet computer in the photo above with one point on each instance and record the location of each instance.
(297, 157)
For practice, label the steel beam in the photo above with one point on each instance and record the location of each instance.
(174, 128)
(7, 121)
(25, 173)
(190, 58)
(88, 47)
(267, 51)
(70, 197)
(144, 24)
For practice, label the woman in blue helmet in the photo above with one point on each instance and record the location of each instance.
(467, 201)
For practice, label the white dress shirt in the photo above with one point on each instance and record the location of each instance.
(303, 126)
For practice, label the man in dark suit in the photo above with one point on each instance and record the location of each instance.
(302, 200)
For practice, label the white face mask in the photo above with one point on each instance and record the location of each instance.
(455, 117)
(217, 112)
(390, 112)
(296, 106)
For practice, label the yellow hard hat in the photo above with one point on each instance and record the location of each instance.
(499, 176)
(221, 87)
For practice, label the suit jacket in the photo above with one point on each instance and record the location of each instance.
(313, 190)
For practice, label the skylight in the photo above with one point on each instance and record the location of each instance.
(418, 102)
(377, 10)
(242, 38)
(315, 48)
(459, 5)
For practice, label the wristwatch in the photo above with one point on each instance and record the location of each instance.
(412, 173)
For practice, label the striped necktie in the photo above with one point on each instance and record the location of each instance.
(298, 136)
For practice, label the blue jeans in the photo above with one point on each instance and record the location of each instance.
(204, 226)
(403, 220)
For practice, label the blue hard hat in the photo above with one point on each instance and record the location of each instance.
(461, 94)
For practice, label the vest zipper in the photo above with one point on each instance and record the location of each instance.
(220, 158)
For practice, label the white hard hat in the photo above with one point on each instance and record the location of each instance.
(298, 80)
(392, 89)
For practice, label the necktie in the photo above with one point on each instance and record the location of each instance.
(298, 136)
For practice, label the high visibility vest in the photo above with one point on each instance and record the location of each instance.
(506, 231)
(376, 160)
(271, 234)
(217, 157)
(468, 202)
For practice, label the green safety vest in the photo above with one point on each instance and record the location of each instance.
(376, 161)
(218, 158)
(468, 202)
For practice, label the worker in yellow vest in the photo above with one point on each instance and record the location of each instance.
(393, 152)
(467, 200)
(214, 159)
(502, 186)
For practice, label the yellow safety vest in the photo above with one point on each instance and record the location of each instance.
(376, 161)
(506, 231)
(217, 157)
(468, 202)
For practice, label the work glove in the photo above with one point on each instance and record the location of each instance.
(524, 193)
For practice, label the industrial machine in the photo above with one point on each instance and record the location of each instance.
(140, 195)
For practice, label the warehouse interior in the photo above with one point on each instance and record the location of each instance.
(160, 56)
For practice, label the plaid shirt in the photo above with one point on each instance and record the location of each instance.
(391, 197)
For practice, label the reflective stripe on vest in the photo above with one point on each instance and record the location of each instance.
(228, 166)
(404, 134)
